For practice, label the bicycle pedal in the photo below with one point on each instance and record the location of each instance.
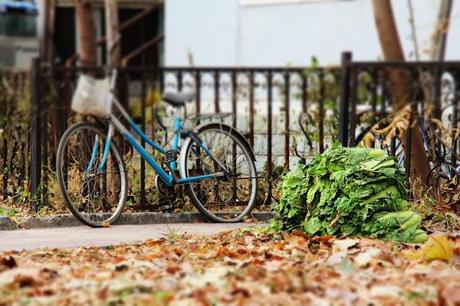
(170, 156)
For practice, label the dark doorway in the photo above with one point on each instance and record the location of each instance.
(139, 33)
(131, 39)
(64, 34)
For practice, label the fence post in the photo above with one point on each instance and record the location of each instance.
(36, 136)
(345, 98)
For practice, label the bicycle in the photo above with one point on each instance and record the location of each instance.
(213, 161)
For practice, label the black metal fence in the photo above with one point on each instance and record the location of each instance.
(287, 114)
(15, 148)
(411, 110)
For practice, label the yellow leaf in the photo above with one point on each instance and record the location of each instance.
(437, 247)
(369, 140)
(136, 108)
(153, 97)
(413, 254)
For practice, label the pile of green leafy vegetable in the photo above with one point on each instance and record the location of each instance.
(351, 191)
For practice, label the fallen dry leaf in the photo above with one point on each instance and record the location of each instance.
(236, 268)
(450, 296)
(437, 247)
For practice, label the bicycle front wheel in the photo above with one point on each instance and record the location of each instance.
(94, 195)
(230, 194)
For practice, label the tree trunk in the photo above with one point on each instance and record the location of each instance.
(87, 45)
(398, 79)
(399, 82)
(47, 47)
(442, 28)
(113, 35)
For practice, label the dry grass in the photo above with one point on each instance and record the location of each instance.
(436, 217)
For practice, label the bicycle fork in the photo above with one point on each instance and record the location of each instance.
(95, 149)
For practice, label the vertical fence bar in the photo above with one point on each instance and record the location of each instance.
(234, 123)
(216, 91)
(4, 166)
(437, 93)
(321, 112)
(422, 97)
(198, 92)
(251, 108)
(393, 146)
(374, 97)
(287, 120)
(269, 135)
(36, 136)
(180, 80)
(154, 86)
(69, 79)
(353, 112)
(161, 76)
(234, 97)
(143, 109)
(304, 92)
(126, 82)
(453, 161)
(66, 103)
(345, 98)
(4, 156)
(384, 96)
(44, 141)
(408, 153)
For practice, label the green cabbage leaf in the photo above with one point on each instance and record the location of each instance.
(348, 191)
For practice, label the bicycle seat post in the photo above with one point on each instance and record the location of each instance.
(113, 79)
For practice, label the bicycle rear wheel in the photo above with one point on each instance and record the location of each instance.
(231, 196)
(96, 197)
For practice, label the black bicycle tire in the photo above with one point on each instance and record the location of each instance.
(61, 182)
(249, 155)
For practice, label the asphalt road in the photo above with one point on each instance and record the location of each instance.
(73, 237)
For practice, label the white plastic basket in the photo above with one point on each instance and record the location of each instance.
(92, 97)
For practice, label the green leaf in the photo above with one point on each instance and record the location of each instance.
(353, 191)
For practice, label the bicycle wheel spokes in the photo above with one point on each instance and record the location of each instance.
(227, 196)
(94, 194)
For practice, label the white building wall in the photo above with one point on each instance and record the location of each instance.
(233, 32)
(204, 30)
(239, 33)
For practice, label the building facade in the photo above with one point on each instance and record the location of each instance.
(291, 32)
(22, 31)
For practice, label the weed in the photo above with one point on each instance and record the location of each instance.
(173, 234)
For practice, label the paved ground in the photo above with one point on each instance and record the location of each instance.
(85, 237)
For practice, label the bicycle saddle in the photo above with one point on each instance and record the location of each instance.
(177, 99)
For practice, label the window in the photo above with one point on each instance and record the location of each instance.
(19, 25)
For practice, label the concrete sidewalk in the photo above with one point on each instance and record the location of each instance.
(82, 236)
(137, 218)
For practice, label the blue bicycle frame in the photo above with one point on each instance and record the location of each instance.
(167, 177)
